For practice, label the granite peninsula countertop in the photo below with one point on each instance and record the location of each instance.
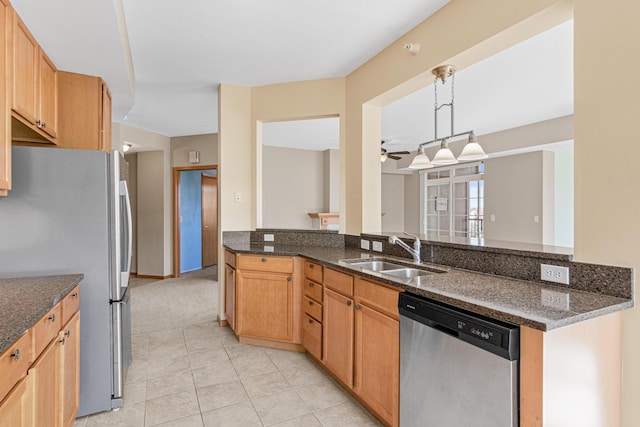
(23, 301)
(498, 297)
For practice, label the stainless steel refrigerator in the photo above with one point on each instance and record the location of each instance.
(69, 212)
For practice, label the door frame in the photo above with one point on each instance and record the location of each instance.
(217, 186)
(176, 210)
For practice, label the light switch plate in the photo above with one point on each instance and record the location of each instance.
(364, 244)
(268, 237)
(377, 246)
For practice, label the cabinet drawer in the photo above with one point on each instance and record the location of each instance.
(230, 258)
(265, 263)
(46, 329)
(377, 296)
(338, 281)
(312, 308)
(312, 336)
(70, 304)
(313, 271)
(313, 290)
(14, 363)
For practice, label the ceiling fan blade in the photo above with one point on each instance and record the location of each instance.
(393, 157)
(399, 152)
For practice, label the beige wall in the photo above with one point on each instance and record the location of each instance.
(332, 181)
(292, 186)
(393, 202)
(206, 144)
(606, 153)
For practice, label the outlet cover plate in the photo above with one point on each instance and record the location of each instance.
(554, 273)
(268, 237)
(364, 244)
(377, 246)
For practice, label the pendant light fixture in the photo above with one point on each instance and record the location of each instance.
(471, 151)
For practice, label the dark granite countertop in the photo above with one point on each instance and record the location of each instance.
(25, 300)
(516, 301)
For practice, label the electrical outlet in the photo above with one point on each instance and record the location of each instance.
(268, 248)
(377, 246)
(364, 244)
(554, 273)
(268, 237)
(559, 300)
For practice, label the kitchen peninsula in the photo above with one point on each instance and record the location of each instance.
(507, 287)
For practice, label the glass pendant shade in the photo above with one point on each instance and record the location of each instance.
(444, 156)
(383, 158)
(420, 161)
(472, 150)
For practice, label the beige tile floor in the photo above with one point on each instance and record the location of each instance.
(198, 374)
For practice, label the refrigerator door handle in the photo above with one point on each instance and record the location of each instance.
(126, 268)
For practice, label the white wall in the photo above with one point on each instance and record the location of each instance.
(292, 186)
(412, 203)
(332, 180)
(393, 202)
(206, 144)
(564, 198)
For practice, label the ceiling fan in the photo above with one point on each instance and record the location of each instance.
(384, 154)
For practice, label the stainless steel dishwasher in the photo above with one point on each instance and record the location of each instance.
(457, 369)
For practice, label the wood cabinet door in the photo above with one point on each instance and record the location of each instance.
(337, 336)
(105, 122)
(377, 362)
(264, 305)
(69, 341)
(25, 71)
(48, 92)
(230, 295)
(16, 409)
(5, 98)
(44, 381)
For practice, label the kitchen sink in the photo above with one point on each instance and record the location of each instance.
(392, 269)
(377, 265)
(407, 273)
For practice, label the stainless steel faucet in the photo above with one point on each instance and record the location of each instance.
(415, 251)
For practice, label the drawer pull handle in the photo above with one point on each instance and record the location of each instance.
(52, 317)
(264, 260)
(16, 354)
(310, 321)
(310, 302)
(348, 302)
(74, 295)
(67, 334)
(62, 341)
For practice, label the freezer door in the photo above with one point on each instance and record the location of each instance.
(121, 347)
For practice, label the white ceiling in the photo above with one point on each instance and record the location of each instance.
(163, 61)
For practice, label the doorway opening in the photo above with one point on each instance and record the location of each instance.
(195, 218)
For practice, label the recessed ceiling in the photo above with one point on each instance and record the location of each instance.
(163, 61)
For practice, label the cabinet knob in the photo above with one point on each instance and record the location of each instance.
(264, 260)
(52, 317)
(16, 354)
(288, 279)
(38, 123)
(348, 302)
(74, 295)
(310, 321)
(311, 284)
(67, 334)
(310, 302)
(44, 125)
(357, 306)
(62, 341)
(310, 265)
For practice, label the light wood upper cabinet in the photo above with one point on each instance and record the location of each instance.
(35, 89)
(48, 93)
(6, 17)
(84, 108)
